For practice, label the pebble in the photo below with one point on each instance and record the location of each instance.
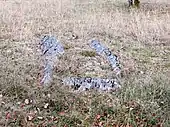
(3, 102)
(26, 101)
(37, 110)
(18, 103)
(0, 99)
(46, 105)
(141, 72)
(40, 117)
(48, 95)
(30, 118)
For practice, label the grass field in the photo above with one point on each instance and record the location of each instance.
(140, 38)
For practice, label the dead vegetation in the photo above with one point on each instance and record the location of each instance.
(140, 37)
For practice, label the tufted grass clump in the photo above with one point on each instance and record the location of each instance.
(88, 53)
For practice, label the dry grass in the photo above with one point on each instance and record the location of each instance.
(141, 38)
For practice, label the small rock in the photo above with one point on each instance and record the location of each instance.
(102, 63)
(30, 117)
(52, 117)
(141, 72)
(31, 101)
(48, 95)
(18, 103)
(1, 99)
(46, 105)
(26, 101)
(131, 109)
(40, 117)
(3, 102)
(43, 95)
(162, 102)
(38, 109)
